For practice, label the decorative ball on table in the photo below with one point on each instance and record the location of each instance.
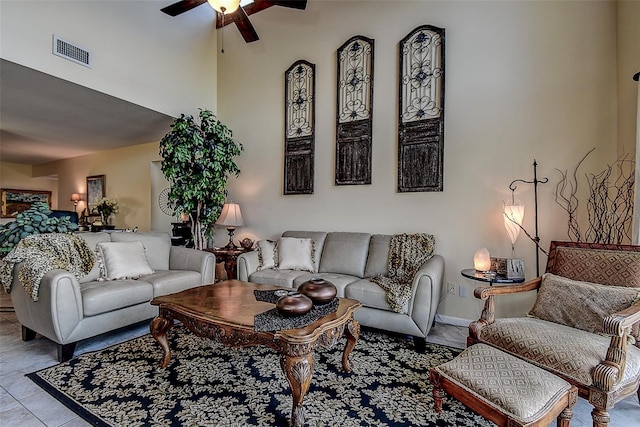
(319, 290)
(294, 304)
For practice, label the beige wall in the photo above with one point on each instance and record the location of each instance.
(524, 81)
(139, 53)
(128, 180)
(628, 95)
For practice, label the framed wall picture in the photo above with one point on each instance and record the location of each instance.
(17, 201)
(95, 191)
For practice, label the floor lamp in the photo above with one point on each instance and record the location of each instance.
(535, 183)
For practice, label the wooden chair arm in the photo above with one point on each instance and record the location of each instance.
(611, 370)
(616, 323)
(483, 292)
(487, 293)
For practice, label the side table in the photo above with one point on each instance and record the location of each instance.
(229, 257)
(490, 278)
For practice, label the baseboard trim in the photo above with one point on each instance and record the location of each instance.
(455, 321)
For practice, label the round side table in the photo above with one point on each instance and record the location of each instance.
(490, 278)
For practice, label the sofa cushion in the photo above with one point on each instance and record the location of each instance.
(318, 238)
(340, 281)
(568, 352)
(378, 259)
(295, 254)
(345, 253)
(157, 244)
(266, 254)
(583, 305)
(282, 278)
(172, 281)
(371, 295)
(104, 297)
(122, 260)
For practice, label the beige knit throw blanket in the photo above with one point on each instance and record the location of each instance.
(41, 253)
(407, 253)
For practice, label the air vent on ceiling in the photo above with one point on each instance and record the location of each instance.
(71, 52)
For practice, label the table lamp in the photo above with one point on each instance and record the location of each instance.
(75, 198)
(232, 218)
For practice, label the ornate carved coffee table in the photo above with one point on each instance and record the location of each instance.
(225, 312)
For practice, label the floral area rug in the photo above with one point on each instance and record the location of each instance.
(207, 384)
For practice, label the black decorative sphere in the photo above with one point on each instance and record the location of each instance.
(294, 304)
(319, 290)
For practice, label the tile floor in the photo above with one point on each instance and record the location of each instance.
(24, 404)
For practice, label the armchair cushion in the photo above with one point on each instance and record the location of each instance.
(545, 344)
(581, 305)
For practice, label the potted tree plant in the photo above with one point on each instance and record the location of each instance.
(197, 160)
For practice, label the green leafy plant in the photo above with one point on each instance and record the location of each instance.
(34, 220)
(198, 158)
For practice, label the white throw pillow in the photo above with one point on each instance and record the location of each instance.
(266, 254)
(296, 254)
(122, 260)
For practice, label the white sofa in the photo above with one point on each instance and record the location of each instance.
(69, 310)
(349, 260)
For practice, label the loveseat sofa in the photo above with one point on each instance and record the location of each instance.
(69, 310)
(349, 261)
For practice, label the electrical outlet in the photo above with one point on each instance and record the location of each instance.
(451, 288)
(463, 292)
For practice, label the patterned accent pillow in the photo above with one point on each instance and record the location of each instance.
(122, 260)
(581, 305)
(296, 254)
(266, 254)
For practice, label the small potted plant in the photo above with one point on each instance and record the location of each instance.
(107, 207)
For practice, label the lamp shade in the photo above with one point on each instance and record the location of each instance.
(513, 215)
(231, 215)
(75, 197)
(224, 6)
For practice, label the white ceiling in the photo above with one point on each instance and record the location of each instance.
(44, 118)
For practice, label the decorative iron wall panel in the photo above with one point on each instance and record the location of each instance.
(300, 86)
(421, 122)
(354, 111)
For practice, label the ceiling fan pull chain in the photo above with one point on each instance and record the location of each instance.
(222, 31)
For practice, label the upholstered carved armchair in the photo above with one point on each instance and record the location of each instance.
(583, 326)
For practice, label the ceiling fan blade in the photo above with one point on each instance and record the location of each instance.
(294, 4)
(244, 25)
(183, 6)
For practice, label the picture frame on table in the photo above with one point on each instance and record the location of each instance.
(17, 201)
(96, 186)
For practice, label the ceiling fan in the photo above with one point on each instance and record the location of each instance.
(226, 14)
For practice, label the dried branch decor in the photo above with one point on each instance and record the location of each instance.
(609, 206)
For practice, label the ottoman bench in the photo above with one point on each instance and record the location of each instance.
(504, 389)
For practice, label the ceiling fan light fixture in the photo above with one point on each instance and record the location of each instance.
(224, 6)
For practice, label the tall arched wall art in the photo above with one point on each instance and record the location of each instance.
(354, 111)
(421, 102)
(300, 86)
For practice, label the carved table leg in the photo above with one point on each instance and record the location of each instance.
(159, 327)
(298, 367)
(352, 333)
